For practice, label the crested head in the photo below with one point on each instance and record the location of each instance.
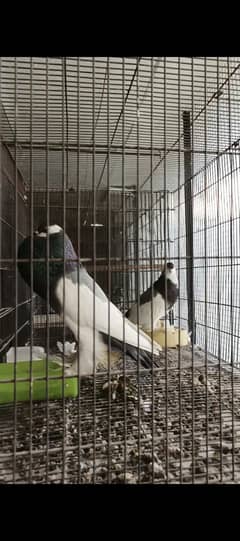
(170, 273)
(44, 230)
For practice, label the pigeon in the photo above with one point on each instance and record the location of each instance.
(156, 300)
(95, 322)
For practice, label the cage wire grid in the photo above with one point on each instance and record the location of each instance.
(138, 160)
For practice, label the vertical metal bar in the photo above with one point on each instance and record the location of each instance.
(138, 280)
(231, 262)
(94, 269)
(79, 255)
(205, 258)
(16, 274)
(218, 282)
(48, 281)
(64, 67)
(124, 225)
(179, 267)
(109, 268)
(31, 272)
(191, 203)
(165, 250)
(151, 257)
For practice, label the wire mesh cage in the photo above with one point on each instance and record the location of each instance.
(137, 161)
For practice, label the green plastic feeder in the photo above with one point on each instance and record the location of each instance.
(46, 381)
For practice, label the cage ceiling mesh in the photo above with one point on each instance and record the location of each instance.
(135, 105)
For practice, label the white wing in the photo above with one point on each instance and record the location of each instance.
(95, 312)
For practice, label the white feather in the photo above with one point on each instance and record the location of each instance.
(92, 349)
(106, 317)
(172, 275)
(149, 312)
(52, 230)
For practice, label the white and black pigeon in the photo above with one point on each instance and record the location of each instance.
(80, 315)
(152, 305)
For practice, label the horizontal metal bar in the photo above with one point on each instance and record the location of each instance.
(114, 149)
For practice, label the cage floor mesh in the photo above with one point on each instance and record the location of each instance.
(178, 428)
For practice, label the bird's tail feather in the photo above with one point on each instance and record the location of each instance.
(145, 342)
(144, 357)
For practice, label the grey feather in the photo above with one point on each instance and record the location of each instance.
(83, 278)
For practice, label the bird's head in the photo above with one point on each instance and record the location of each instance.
(170, 272)
(43, 230)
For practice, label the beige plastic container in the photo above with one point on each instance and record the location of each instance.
(173, 336)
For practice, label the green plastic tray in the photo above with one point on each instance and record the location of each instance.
(38, 387)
